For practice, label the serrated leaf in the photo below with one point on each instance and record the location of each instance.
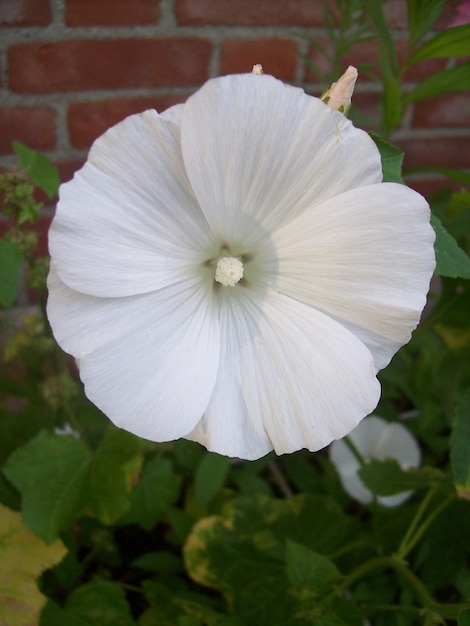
(451, 260)
(453, 42)
(210, 476)
(40, 168)
(310, 570)
(11, 259)
(156, 490)
(392, 160)
(448, 81)
(386, 478)
(50, 473)
(23, 558)
(460, 448)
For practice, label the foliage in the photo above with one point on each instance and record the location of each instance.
(138, 534)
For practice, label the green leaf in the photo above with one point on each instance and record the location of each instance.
(460, 447)
(50, 472)
(41, 170)
(156, 490)
(451, 260)
(421, 16)
(376, 12)
(54, 615)
(100, 603)
(112, 471)
(210, 476)
(463, 618)
(160, 562)
(454, 79)
(392, 160)
(386, 478)
(391, 101)
(453, 42)
(11, 259)
(309, 570)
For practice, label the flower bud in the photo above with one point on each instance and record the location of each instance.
(338, 96)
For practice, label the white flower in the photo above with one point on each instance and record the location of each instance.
(323, 270)
(374, 438)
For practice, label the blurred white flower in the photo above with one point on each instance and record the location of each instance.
(374, 438)
(66, 431)
(233, 271)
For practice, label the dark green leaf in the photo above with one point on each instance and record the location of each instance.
(309, 570)
(463, 618)
(161, 562)
(54, 615)
(454, 79)
(460, 448)
(41, 170)
(451, 260)
(392, 160)
(156, 490)
(100, 603)
(210, 476)
(453, 42)
(50, 472)
(386, 478)
(11, 259)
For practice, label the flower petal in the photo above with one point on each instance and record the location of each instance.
(128, 222)
(289, 378)
(365, 258)
(148, 362)
(300, 153)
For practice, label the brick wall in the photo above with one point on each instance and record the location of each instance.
(71, 68)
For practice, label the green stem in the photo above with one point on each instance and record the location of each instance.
(447, 611)
(404, 550)
(358, 456)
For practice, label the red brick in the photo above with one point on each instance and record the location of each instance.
(364, 56)
(111, 12)
(25, 13)
(435, 152)
(249, 12)
(68, 168)
(89, 120)
(277, 56)
(365, 110)
(34, 126)
(396, 14)
(452, 110)
(428, 186)
(107, 64)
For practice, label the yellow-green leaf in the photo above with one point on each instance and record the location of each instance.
(23, 558)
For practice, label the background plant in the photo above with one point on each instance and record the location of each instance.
(140, 533)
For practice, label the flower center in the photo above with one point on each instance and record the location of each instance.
(229, 271)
